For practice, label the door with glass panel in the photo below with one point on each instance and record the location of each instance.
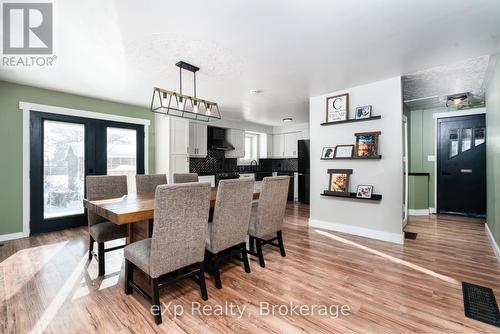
(63, 151)
(461, 168)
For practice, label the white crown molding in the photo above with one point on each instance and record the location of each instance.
(397, 238)
(468, 112)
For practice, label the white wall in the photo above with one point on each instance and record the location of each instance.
(379, 220)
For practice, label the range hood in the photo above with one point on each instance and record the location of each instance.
(217, 139)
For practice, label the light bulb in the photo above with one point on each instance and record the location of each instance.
(181, 104)
(209, 112)
(195, 108)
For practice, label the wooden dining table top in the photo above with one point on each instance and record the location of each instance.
(133, 208)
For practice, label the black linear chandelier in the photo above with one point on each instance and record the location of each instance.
(171, 103)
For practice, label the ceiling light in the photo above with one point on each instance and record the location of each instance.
(255, 91)
(172, 103)
(458, 99)
(288, 119)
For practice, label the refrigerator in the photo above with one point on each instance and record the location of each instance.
(304, 171)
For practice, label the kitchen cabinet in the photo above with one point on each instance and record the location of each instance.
(285, 145)
(197, 140)
(291, 144)
(172, 141)
(237, 139)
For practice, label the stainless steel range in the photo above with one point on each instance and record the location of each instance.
(226, 176)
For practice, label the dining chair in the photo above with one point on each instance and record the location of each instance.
(269, 218)
(101, 230)
(176, 249)
(148, 183)
(229, 227)
(185, 177)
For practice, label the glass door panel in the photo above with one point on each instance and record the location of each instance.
(63, 168)
(122, 154)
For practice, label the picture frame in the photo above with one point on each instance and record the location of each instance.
(364, 191)
(328, 153)
(337, 108)
(344, 151)
(363, 112)
(367, 144)
(339, 181)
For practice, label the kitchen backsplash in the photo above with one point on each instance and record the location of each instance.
(216, 162)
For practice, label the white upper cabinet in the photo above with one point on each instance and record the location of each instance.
(291, 144)
(237, 139)
(179, 136)
(278, 146)
(197, 140)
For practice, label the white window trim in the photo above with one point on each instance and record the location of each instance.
(26, 108)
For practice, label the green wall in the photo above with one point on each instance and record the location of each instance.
(11, 139)
(493, 151)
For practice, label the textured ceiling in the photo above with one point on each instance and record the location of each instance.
(290, 49)
(429, 88)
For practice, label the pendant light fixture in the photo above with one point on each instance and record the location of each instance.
(172, 103)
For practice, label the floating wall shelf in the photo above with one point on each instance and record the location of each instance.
(353, 120)
(357, 158)
(375, 197)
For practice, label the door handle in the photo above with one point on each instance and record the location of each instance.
(466, 171)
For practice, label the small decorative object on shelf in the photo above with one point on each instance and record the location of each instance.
(367, 144)
(339, 181)
(337, 108)
(344, 151)
(363, 112)
(327, 153)
(364, 191)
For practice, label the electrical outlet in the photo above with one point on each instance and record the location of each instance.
(431, 158)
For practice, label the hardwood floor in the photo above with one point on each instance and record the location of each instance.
(48, 285)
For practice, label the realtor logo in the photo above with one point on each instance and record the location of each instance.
(27, 35)
(27, 28)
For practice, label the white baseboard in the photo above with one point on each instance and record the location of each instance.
(397, 238)
(418, 212)
(496, 249)
(12, 236)
(432, 210)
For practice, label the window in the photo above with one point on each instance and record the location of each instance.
(251, 148)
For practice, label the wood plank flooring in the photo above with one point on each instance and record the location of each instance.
(48, 285)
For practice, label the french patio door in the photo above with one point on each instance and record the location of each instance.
(63, 151)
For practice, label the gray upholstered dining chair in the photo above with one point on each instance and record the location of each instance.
(100, 230)
(148, 183)
(229, 227)
(185, 177)
(178, 242)
(270, 215)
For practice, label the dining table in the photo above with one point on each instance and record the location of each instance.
(136, 211)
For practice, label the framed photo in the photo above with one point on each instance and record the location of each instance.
(364, 191)
(337, 108)
(367, 144)
(363, 112)
(339, 181)
(344, 151)
(328, 153)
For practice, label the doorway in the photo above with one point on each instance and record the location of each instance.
(63, 151)
(461, 168)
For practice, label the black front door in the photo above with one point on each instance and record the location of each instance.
(461, 165)
(65, 149)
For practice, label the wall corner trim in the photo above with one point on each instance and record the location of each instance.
(13, 236)
(418, 212)
(397, 238)
(494, 244)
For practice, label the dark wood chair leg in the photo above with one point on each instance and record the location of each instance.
(251, 242)
(100, 258)
(280, 242)
(129, 276)
(259, 252)
(156, 300)
(201, 282)
(218, 283)
(91, 247)
(244, 257)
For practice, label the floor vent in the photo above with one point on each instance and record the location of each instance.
(480, 304)
(411, 235)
